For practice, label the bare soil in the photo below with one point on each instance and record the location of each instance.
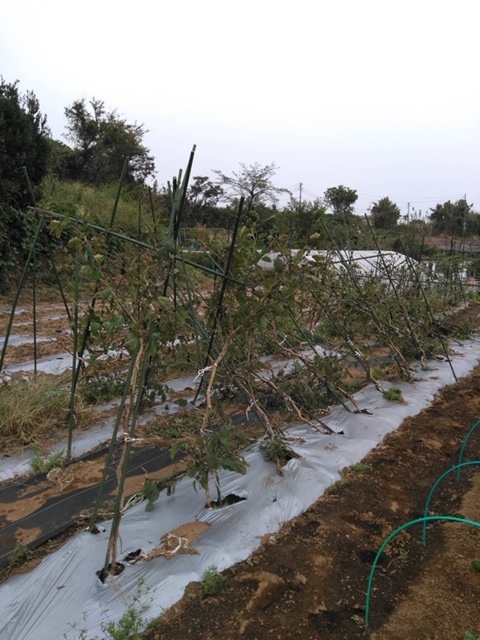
(309, 581)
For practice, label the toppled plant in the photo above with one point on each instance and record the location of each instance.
(277, 450)
(207, 454)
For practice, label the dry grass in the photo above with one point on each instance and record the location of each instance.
(34, 410)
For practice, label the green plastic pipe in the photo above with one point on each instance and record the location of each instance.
(462, 450)
(391, 536)
(435, 485)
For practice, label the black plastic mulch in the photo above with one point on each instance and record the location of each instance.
(57, 514)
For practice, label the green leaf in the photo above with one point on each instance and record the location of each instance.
(476, 565)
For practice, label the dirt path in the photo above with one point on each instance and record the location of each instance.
(309, 581)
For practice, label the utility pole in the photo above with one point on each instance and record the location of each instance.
(408, 212)
(291, 224)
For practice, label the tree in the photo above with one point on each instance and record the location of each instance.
(302, 220)
(24, 138)
(202, 200)
(455, 218)
(254, 183)
(385, 214)
(101, 141)
(341, 199)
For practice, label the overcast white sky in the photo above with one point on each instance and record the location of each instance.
(381, 96)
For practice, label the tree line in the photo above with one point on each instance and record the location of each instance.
(103, 146)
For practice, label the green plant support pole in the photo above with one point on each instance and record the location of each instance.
(75, 361)
(464, 444)
(429, 309)
(406, 315)
(34, 304)
(49, 248)
(113, 441)
(183, 195)
(435, 485)
(391, 536)
(86, 333)
(222, 292)
(354, 279)
(117, 196)
(310, 367)
(152, 210)
(117, 514)
(19, 289)
(178, 196)
(193, 314)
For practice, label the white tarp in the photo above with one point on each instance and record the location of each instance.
(378, 263)
(63, 594)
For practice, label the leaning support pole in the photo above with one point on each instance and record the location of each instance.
(75, 361)
(411, 330)
(222, 293)
(49, 248)
(86, 333)
(19, 289)
(113, 442)
(400, 360)
(137, 382)
(34, 305)
(354, 350)
(429, 309)
(178, 195)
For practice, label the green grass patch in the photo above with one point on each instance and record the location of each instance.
(361, 467)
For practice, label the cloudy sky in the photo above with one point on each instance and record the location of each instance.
(379, 95)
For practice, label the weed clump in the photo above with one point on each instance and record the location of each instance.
(42, 464)
(20, 554)
(212, 581)
(394, 394)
